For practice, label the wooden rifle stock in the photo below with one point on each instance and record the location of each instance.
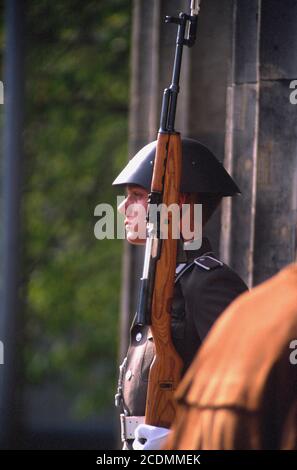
(165, 371)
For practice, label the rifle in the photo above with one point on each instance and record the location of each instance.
(157, 281)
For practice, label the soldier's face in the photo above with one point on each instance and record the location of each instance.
(134, 207)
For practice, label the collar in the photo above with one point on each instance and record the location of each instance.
(185, 256)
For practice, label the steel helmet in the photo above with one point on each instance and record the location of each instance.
(201, 170)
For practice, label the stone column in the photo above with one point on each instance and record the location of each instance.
(258, 229)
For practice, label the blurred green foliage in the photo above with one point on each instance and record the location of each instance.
(77, 82)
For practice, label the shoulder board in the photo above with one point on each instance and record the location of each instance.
(208, 262)
(181, 269)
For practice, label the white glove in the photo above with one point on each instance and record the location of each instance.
(154, 436)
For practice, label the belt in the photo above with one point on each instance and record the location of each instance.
(128, 426)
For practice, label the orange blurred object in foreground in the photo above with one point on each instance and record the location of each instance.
(241, 390)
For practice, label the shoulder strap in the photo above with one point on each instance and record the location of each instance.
(208, 262)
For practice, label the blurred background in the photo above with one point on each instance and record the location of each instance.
(72, 85)
(83, 83)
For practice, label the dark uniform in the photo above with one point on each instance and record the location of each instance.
(204, 286)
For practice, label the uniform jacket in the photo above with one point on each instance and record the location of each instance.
(241, 390)
(202, 291)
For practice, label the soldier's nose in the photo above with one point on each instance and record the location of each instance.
(122, 207)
